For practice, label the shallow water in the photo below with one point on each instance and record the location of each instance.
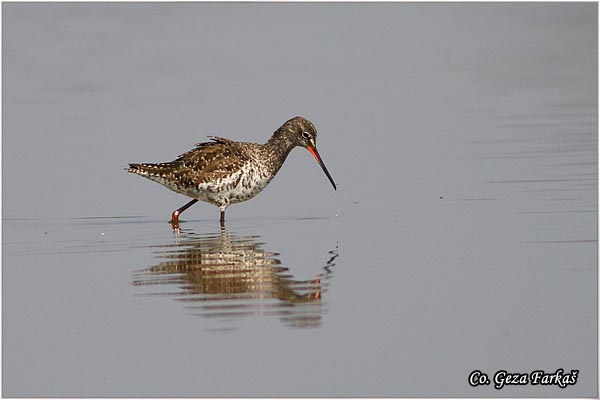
(226, 277)
(462, 237)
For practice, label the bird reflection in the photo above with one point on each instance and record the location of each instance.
(225, 277)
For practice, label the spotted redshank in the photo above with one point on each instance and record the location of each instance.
(224, 172)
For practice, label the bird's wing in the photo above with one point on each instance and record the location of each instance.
(219, 139)
(211, 161)
(202, 145)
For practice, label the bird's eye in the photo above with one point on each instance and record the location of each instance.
(306, 135)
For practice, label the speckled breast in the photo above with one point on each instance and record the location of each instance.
(235, 188)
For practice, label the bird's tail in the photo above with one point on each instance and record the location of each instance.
(143, 168)
(167, 174)
(155, 172)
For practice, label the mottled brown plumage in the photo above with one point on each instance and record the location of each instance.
(224, 172)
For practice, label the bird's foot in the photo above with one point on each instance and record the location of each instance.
(175, 221)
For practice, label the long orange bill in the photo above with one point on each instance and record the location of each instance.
(315, 153)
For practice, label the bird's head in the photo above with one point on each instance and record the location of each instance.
(302, 132)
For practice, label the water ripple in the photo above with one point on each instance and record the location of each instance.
(226, 277)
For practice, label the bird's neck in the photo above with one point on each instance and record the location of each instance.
(277, 148)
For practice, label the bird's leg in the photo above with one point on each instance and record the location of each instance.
(222, 218)
(317, 282)
(177, 213)
(176, 231)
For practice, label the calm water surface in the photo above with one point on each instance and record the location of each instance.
(463, 236)
(225, 277)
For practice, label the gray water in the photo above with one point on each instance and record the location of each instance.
(462, 236)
